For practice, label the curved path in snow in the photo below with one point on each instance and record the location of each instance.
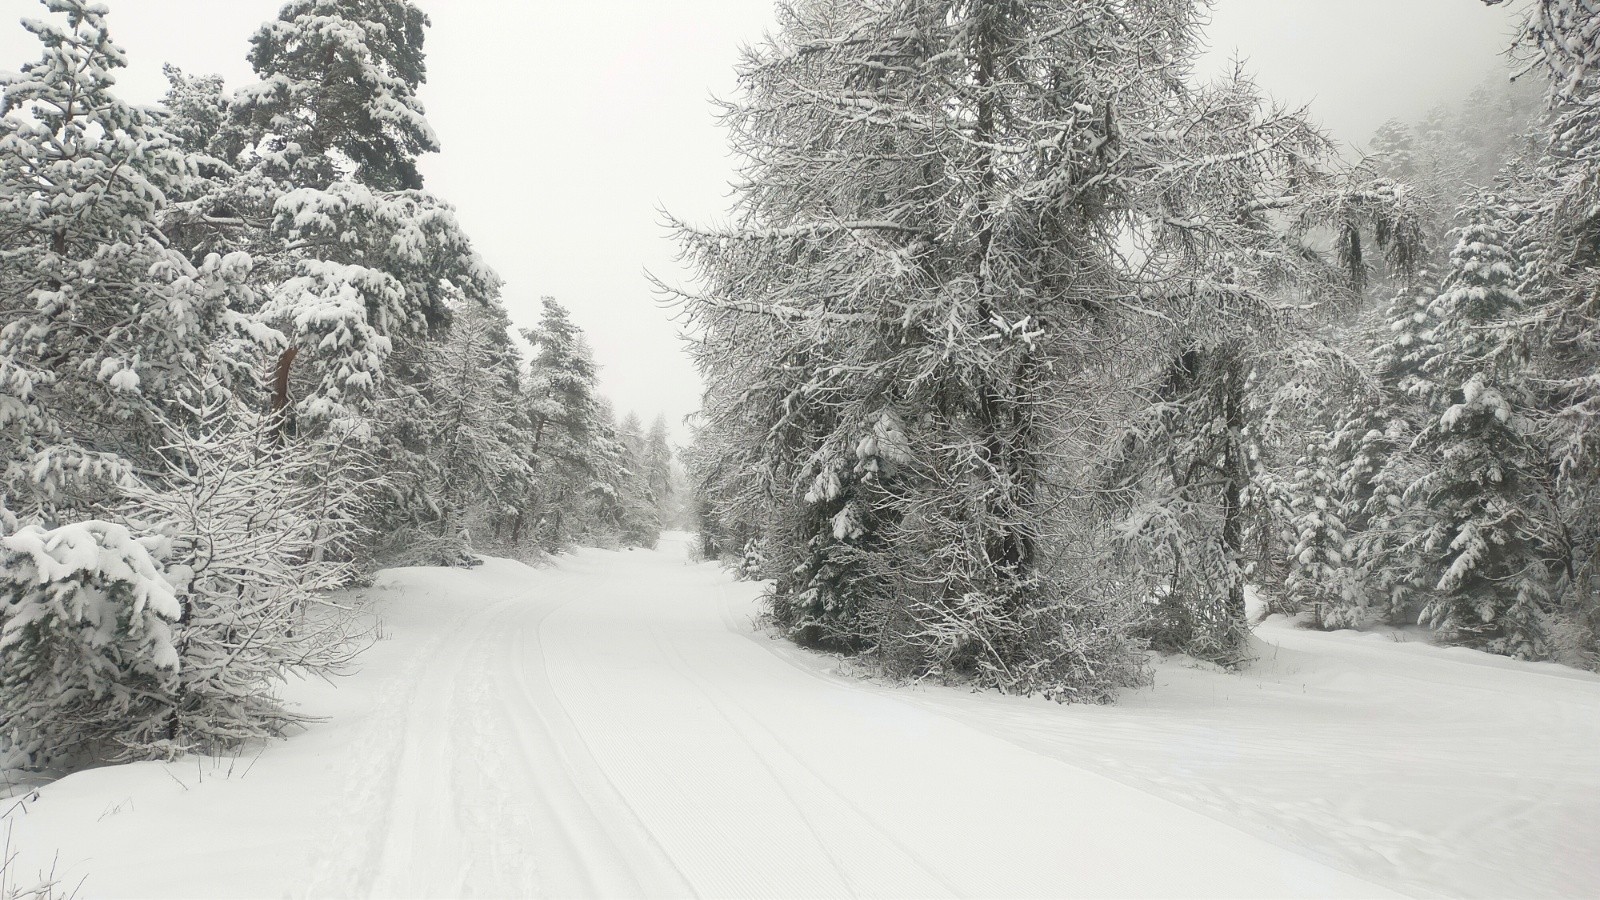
(615, 726)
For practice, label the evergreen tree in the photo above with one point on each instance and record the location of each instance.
(86, 640)
(194, 108)
(358, 268)
(908, 318)
(100, 319)
(473, 431)
(566, 414)
(1373, 452)
(337, 99)
(1487, 540)
(356, 262)
(622, 506)
(657, 466)
(1319, 579)
(1560, 234)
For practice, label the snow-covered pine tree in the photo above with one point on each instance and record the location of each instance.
(565, 414)
(100, 318)
(1562, 292)
(903, 318)
(338, 93)
(658, 459)
(1394, 151)
(1372, 449)
(472, 431)
(1487, 542)
(1375, 421)
(620, 505)
(357, 266)
(194, 109)
(87, 649)
(630, 431)
(353, 256)
(1319, 577)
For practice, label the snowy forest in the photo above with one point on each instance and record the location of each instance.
(245, 359)
(1027, 352)
(1034, 364)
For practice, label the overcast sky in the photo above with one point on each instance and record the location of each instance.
(567, 123)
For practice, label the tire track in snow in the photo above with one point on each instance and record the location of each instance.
(465, 781)
(609, 732)
(628, 860)
(728, 706)
(378, 813)
(672, 795)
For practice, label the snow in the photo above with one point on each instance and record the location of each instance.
(616, 725)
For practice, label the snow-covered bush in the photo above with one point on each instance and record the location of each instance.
(88, 654)
(752, 562)
(260, 531)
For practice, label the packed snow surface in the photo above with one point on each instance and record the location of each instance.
(616, 725)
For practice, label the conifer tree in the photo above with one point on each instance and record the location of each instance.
(621, 504)
(87, 651)
(100, 319)
(357, 267)
(1376, 463)
(337, 97)
(473, 430)
(565, 412)
(1487, 540)
(1319, 579)
(355, 259)
(922, 268)
(657, 459)
(1560, 234)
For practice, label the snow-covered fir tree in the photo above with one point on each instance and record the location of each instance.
(473, 432)
(87, 650)
(1557, 232)
(1488, 539)
(1318, 577)
(657, 461)
(100, 318)
(1372, 450)
(909, 318)
(586, 480)
(353, 257)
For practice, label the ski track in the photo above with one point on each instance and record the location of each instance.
(635, 742)
(615, 726)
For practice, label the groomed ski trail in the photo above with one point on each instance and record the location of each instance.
(615, 726)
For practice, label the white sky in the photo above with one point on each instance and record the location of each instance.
(567, 123)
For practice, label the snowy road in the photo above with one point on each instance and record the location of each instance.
(615, 727)
(618, 733)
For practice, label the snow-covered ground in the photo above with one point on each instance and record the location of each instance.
(615, 725)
